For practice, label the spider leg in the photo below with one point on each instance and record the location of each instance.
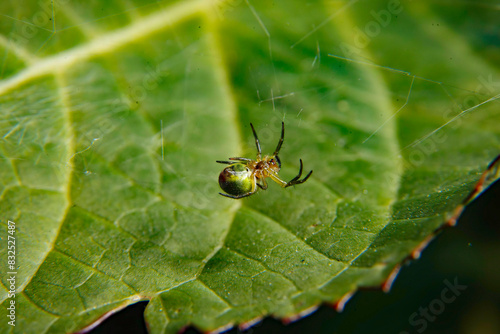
(299, 175)
(296, 180)
(262, 184)
(278, 160)
(257, 143)
(276, 179)
(226, 162)
(281, 139)
(239, 196)
(300, 181)
(240, 159)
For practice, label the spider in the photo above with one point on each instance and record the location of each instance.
(243, 177)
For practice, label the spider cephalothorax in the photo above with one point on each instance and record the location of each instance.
(243, 177)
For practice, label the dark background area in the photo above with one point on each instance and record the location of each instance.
(468, 254)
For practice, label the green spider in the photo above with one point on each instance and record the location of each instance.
(243, 177)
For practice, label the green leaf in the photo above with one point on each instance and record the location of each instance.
(113, 114)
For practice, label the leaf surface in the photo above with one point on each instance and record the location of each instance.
(113, 114)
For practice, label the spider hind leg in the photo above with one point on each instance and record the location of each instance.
(238, 196)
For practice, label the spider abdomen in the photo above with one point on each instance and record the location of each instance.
(236, 179)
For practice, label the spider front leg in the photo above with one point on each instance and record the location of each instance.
(257, 143)
(296, 180)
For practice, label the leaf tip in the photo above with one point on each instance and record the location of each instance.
(221, 329)
(387, 284)
(250, 323)
(340, 304)
(300, 315)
